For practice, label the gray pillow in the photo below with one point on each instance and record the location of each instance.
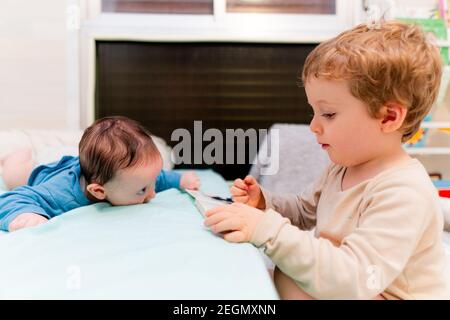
(301, 160)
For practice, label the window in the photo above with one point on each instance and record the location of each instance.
(282, 6)
(169, 85)
(158, 6)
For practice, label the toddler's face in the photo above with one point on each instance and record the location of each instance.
(342, 123)
(133, 185)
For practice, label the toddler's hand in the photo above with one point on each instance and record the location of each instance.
(249, 192)
(26, 220)
(190, 180)
(237, 221)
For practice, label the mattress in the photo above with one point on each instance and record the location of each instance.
(158, 250)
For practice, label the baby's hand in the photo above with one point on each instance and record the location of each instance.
(25, 220)
(189, 180)
(249, 192)
(237, 221)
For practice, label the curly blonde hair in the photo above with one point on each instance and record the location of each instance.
(396, 62)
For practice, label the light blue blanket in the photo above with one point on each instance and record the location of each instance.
(158, 250)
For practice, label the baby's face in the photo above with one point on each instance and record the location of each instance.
(133, 185)
(342, 123)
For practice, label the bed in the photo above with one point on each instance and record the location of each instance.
(158, 250)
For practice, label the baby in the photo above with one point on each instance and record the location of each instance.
(118, 162)
(375, 212)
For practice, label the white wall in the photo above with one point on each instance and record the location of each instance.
(33, 76)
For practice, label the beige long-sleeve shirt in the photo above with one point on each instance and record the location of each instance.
(383, 235)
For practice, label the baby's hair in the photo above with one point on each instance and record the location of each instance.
(396, 62)
(111, 144)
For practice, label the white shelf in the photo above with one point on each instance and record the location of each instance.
(435, 124)
(443, 43)
(428, 151)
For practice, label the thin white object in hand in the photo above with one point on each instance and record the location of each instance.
(204, 202)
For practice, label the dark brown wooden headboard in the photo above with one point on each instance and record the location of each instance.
(167, 86)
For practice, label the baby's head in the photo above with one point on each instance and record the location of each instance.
(119, 161)
(371, 88)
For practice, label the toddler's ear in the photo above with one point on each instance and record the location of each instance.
(96, 190)
(392, 116)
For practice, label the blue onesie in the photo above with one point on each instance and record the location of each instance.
(54, 189)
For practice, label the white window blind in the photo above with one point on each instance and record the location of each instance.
(282, 6)
(158, 6)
